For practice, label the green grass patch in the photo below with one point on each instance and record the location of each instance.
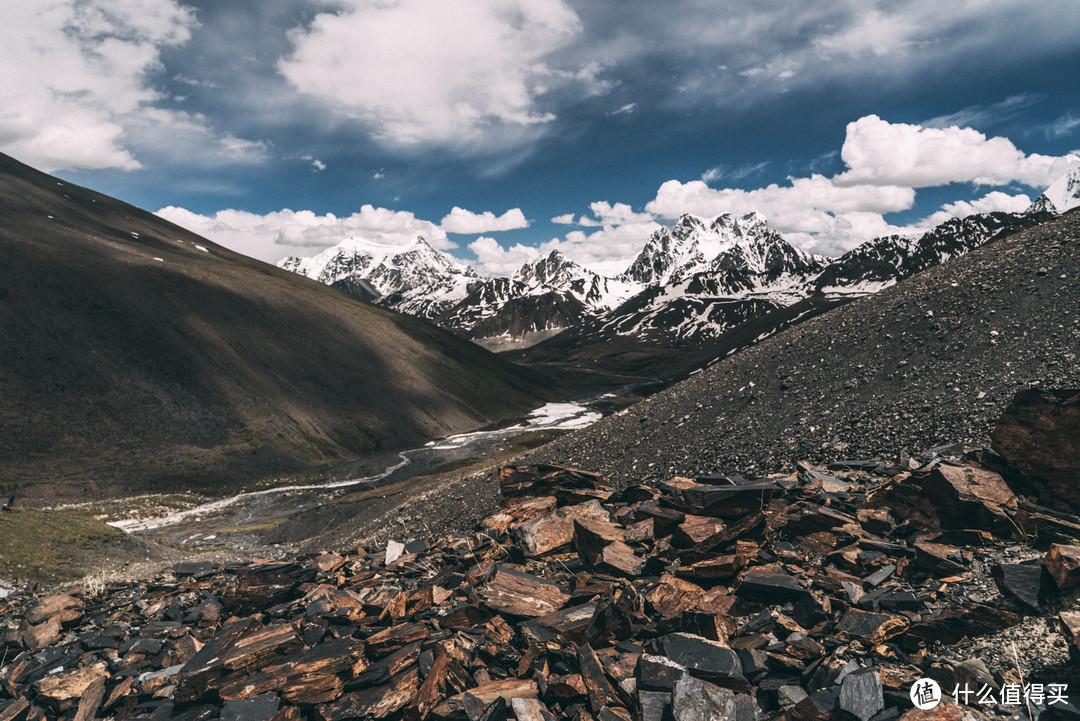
(52, 546)
(259, 527)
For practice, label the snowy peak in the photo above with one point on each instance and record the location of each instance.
(411, 278)
(1062, 195)
(553, 269)
(726, 243)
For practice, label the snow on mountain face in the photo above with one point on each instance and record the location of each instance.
(1062, 195)
(548, 294)
(413, 278)
(881, 262)
(743, 248)
(705, 277)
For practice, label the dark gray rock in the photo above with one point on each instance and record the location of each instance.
(702, 658)
(257, 708)
(861, 694)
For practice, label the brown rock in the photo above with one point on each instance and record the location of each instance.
(529, 480)
(375, 702)
(944, 712)
(554, 530)
(327, 562)
(601, 692)
(43, 634)
(507, 689)
(16, 710)
(72, 685)
(53, 606)
(1063, 563)
(522, 594)
(671, 596)
(1039, 436)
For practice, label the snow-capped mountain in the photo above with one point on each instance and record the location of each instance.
(704, 277)
(541, 298)
(743, 250)
(884, 261)
(414, 278)
(694, 283)
(1062, 195)
(695, 300)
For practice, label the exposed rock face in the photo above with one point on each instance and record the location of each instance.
(1039, 436)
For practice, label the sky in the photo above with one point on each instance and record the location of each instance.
(502, 129)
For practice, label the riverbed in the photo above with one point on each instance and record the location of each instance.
(237, 523)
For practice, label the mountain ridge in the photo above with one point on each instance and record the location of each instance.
(693, 283)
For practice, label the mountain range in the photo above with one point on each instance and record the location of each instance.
(694, 291)
(137, 355)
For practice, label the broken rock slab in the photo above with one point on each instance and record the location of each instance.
(1039, 436)
(861, 693)
(1063, 563)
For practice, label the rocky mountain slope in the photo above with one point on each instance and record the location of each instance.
(935, 357)
(136, 355)
(821, 594)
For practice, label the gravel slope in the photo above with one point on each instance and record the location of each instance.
(932, 360)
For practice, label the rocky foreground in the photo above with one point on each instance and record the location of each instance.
(833, 592)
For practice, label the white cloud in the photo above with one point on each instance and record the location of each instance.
(566, 219)
(886, 163)
(884, 153)
(273, 236)
(79, 87)
(995, 202)
(606, 214)
(464, 221)
(73, 70)
(610, 250)
(467, 76)
(493, 259)
(800, 206)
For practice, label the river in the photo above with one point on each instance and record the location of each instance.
(233, 523)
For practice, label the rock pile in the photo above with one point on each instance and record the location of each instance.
(828, 593)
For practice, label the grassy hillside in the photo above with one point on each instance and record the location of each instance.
(139, 356)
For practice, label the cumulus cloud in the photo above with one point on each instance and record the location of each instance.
(608, 251)
(464, 221)
(273, 236)
(799, 206)
(995, 202)
(493, 259)
(883, 153)
(886, 163)
(85, 94)
(81, 68)
(565, 219)
(470, 77)
(606, 214)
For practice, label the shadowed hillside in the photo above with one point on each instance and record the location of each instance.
(137, 355)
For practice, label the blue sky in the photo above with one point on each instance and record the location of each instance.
(500, 129)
